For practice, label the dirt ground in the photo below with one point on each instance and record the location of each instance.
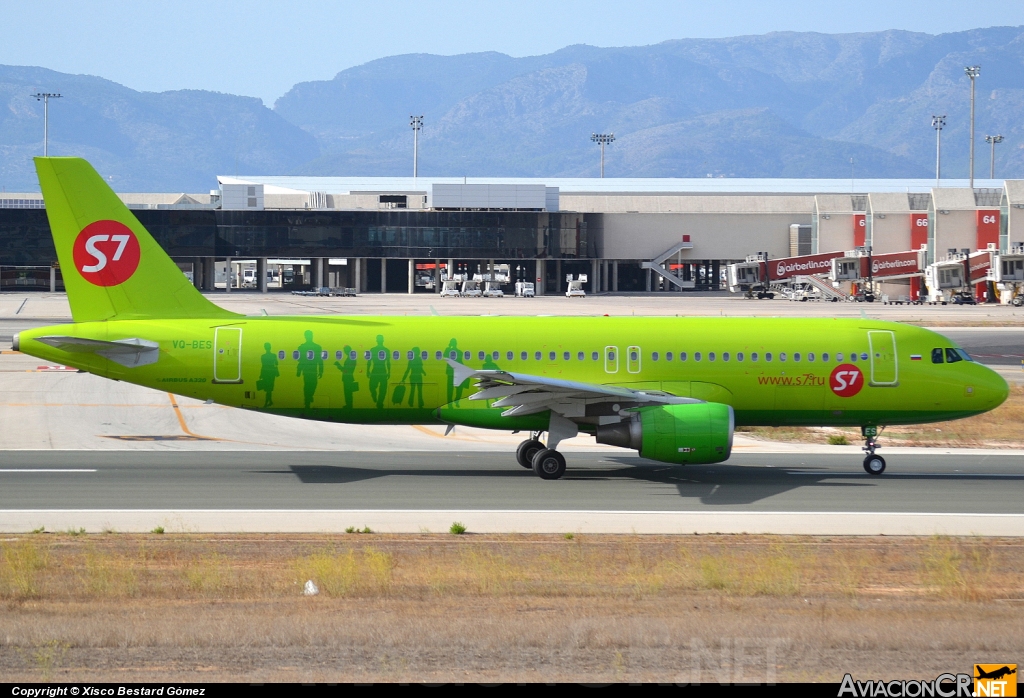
(1003, 427)
(708, 609)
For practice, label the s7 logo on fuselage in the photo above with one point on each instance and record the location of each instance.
(846, 380)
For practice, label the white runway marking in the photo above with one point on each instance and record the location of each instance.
(509, 521)
(47, 470)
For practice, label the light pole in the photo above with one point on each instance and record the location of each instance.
(972, 71)
(604, 139)
(417, 123)
(992, 166)
(937, 123)
(45, 97)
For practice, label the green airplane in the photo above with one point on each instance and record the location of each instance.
(674, 389)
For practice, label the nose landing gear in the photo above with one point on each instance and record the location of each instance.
(873, 464)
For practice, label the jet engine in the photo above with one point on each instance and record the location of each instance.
(692, 433)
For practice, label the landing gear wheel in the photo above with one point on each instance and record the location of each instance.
(874, 465)
(526, 451)
(549, 464)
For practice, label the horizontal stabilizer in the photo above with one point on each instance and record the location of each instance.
(127, 352)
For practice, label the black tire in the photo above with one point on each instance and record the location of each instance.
(549, 464)
(526, 451)
(874, 465)
(770, 296)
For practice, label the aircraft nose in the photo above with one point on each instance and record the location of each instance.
(991, 389)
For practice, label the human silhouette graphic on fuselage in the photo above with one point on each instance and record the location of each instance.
(378, 368)
(452, 352)
(415, 373)
(310, 367)
(268, 374)
(348, 375)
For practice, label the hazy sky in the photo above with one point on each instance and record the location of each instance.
(261, 48)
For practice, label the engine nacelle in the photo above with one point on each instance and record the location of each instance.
(691, 433)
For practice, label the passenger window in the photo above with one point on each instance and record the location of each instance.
(668, 356)
(409, 355)
(565, 356)
(952, 357)
(495, 355)
(467, 356)
(280, 354)
(853, 357)
(453, 355)
(725, 356)
(536, 356)
(480, 356)
(796, 356)
(739, 356)
(839, 356)
(580, 356)
(295, 354)
(551, 356)
(682, 356)
(352, 355)
(782, 356)
(611, 356)
(309, 355)
(810, 356)
(438, 355)
(767, 356)
(696, 356)
(711, 356)
(424, 354)
(753, 356)
(366, 355)
(395, 355)
(338, 355)
(523, 355)
(509, 355)
(863, 356)
(594, 356)
(654, 356)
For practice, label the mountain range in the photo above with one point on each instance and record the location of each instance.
(775, 105)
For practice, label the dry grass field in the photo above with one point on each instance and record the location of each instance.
(1003, 427)
(117, 607)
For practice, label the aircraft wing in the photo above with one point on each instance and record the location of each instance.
(127, 352)
(525, 394)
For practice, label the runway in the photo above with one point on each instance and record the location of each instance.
(407, 491)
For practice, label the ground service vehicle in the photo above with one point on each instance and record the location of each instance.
(672, 388)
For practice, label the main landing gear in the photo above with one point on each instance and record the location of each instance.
(873, 464)
(548, 463)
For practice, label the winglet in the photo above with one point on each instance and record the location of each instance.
(462, 372)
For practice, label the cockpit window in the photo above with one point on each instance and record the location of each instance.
(964, 355)
(937, 356)
(952, 356)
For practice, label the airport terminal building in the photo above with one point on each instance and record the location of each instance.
(639, 235)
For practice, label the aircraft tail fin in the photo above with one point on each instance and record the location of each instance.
(111, 266)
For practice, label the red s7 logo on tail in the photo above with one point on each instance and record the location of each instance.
(106, 253)
(846, 380)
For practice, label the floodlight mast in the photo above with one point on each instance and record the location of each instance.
(603, 139)
(972, 71)
(45, 98)
(992, 163)
(938, 122)
(417, 123)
